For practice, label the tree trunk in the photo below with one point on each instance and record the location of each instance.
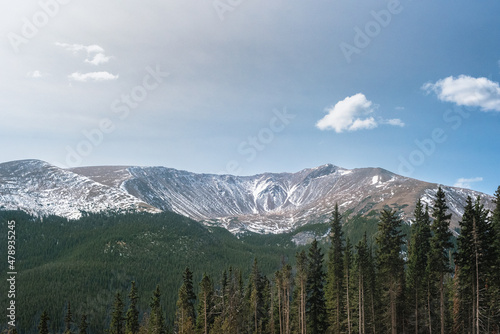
(441, 301)
(347, 304)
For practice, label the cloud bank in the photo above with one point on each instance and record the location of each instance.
(467, 91)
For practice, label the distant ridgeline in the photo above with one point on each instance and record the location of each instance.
(165, 273)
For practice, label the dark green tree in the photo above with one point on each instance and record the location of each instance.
(334, 291)
(348, 286)
(205, 307)
(418, 252)
(185, 316)
(495, 270)
(116, 326)
(300, 294)
(132, 317)
(365, 273)
(390, 262)
(156, 320)
(82, 328)
(439, 262)
(68, 320)
(315, 303)
(254, 297)
(43, 326)
(475, 257)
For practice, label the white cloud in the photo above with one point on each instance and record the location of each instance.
(35, 74)
(394, 122)
(352, 114)
(466, 183)
(467, 91)
(92, 76)
(99, 58)
(80, 47)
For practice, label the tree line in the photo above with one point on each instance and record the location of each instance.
(430, 281)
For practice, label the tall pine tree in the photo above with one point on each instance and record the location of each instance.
(390, 262)
(205, 307)
(132, 317)
(315, 303)
(116, 326)
(185, 315)
(418, 251)
(334, 291)
(439, 260)
(43, 326)
(156, 323)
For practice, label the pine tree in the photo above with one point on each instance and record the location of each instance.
(347, 281)
(418, 251)
(495, 270)
(300, 293)
(364, 268)
(391, 265)
(185, 315)
(315, 304)
(156, 323)
(132, 317)
(440, 246)
(205, 315)
(475, 256)
(43, 326)
(283, 279)
(82, 328)
(254, 297)
(68, 320)
(335, 277)
(116, 326)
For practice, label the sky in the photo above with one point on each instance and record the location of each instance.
(251, 86)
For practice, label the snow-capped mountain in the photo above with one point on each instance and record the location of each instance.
(43, 189)
(264, 203)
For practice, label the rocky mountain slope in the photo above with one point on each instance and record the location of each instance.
(264, 203)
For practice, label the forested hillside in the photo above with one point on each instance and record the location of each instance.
(164, 273)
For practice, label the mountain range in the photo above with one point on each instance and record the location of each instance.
(263, 203)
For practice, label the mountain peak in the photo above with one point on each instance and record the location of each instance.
(264, 203)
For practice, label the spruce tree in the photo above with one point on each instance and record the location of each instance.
(132, 317)
(334, 291)
(205, 307)
(390, 240)
(116, 326)
(82, 328)
(43, 326)
(348, 289)
(185, 315)
(364, 268)
(68, 320)
(254, 297)
(440, 246)
(156, 323)
(495, 270)
(300, 293)
(475, 257)
(315, 304)
(418, 251)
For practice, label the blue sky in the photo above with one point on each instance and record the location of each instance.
(248, 86)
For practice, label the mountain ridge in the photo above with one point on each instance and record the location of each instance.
(262, 203)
